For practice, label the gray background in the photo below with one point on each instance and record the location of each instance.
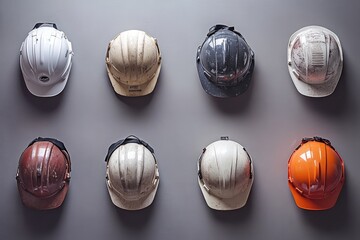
(179, 119)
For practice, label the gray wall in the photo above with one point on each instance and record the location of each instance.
(179, 119)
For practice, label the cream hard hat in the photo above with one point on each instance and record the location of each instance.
(225, 174)
(133, 63)
(132, 175)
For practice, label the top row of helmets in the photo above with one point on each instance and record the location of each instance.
(225, 62)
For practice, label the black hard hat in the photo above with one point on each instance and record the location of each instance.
(225, 62)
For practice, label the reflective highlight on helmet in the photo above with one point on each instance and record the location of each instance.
(225, 62)
(225, 175)
(316, 174)
(315, 61)
(45, 60)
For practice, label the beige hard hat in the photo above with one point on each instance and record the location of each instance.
(225, 175)
(133, 63)
(132, 175)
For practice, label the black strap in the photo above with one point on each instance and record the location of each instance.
(37, 25)
(129, 139)
(316, 139)
(218, 27)
(54, 141)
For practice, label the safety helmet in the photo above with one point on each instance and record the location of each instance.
(133, 63)
(315, 61)
(225, 174)
(45, 60)
(43, 174)
(316, 174)
(225, 62)
(132, 175)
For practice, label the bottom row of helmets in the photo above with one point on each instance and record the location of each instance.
(316, 174)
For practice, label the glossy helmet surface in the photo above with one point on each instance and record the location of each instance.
(316, 174)
(225, 62)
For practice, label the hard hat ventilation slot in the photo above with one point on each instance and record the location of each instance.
(44, 79)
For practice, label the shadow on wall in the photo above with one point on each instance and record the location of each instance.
(42, 223)
(337, 219)
(134, 220)
(137, 219)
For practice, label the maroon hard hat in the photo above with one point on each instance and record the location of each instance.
(43, 174)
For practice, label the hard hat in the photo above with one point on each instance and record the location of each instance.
(45, 60)
(315, 61)
(225, 174)
(133, 63)
(132, 175)
(225, 62)
(43, 174)
(316, 174)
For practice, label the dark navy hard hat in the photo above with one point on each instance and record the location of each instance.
(225, 62)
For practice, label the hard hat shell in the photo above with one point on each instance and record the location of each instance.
(316, 174)
(132, 175)
(45, 60)
(133, 63)
(43, 174)
(225, 175)
(225, 62)
(315, 61)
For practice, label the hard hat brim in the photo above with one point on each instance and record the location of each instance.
(223, 91)
(122, 203)
(142, 90)
(45, 91)
(315, 204)
(225, 204)
(34, 202)
(315, 90)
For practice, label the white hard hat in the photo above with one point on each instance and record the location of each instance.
(45, 60)
(132, 175)
(133, 63)
(315, 61)
(225, 175)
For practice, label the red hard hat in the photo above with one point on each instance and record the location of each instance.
(43, 174)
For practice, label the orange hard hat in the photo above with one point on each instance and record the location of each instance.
(316, 174)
